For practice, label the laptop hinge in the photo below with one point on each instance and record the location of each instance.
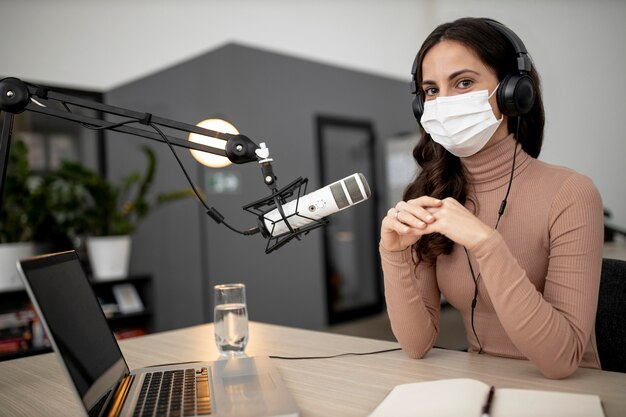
(119, 396)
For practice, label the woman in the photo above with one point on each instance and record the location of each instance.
(513, 243)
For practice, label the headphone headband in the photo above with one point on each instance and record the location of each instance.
(523, 61)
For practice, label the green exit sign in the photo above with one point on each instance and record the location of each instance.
(223, 182)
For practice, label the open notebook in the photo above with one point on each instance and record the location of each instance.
(102, 381)
(465, 397)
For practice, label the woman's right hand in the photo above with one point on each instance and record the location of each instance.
(404, 224)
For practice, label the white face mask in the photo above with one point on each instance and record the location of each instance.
(463, 124)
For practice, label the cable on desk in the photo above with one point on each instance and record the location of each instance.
(334, 356)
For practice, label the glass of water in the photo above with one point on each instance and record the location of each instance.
(231, 319)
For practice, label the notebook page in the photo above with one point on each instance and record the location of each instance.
(444, 398)
(523, 403)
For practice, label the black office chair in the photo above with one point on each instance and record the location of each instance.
(611, 316)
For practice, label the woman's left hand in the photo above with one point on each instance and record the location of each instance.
(458, 224)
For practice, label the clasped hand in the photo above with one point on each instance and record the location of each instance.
(408, 221)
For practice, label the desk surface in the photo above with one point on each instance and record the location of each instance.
(344, 386)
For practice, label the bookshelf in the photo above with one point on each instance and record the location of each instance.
(127, 304)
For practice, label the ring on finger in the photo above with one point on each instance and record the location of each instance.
(396, 214)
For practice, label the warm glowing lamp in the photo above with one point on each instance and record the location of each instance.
(205, 158)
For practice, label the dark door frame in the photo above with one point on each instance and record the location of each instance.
(322, 122)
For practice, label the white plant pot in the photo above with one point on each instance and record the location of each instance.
(10, 253)
(109, 256)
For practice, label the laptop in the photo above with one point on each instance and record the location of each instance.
(102, 381)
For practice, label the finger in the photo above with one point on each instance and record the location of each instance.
(407, 219)
(426, 201)
(392, 212)
(448, 205)
(403, 230)
(414, 214)
(390, 223)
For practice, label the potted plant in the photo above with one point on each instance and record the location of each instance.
(21, 215)
(89, 207)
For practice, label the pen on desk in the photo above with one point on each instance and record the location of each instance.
(488, 402)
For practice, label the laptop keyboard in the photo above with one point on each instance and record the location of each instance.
(176, 393)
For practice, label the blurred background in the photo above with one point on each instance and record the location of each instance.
(326, 85)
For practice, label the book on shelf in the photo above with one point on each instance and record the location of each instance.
(14, 345)
(466, 397)
(17, 318)
(21, 330)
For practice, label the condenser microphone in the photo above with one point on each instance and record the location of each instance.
(315, 206)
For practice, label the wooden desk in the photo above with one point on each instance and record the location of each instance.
(345, 386)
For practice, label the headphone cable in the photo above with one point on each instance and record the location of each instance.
(508, 189)
(500, 213)
(474, 300)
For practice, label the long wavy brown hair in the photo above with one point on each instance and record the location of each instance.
(441, 174)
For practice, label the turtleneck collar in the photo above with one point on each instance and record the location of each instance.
(490, 168)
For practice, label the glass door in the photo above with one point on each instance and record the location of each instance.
(353, 276)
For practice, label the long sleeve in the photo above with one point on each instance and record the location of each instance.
(413, 301)
(538, 275)
(551, 328)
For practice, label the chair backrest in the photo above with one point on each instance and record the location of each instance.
(611, 316)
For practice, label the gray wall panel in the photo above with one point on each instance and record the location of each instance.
(272, 98)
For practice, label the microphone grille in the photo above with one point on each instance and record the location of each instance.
(341, 199)
(354, 190)
(366, 186)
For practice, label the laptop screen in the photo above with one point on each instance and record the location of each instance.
(75, 324)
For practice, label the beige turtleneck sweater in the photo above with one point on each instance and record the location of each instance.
(539, 272)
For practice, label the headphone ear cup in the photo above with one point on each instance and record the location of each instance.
(418, 108)
(516, 95)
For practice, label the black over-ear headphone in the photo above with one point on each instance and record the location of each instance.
(516, 92)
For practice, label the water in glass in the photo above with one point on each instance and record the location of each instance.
(231, 328)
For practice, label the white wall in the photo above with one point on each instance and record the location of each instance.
(577, 45)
